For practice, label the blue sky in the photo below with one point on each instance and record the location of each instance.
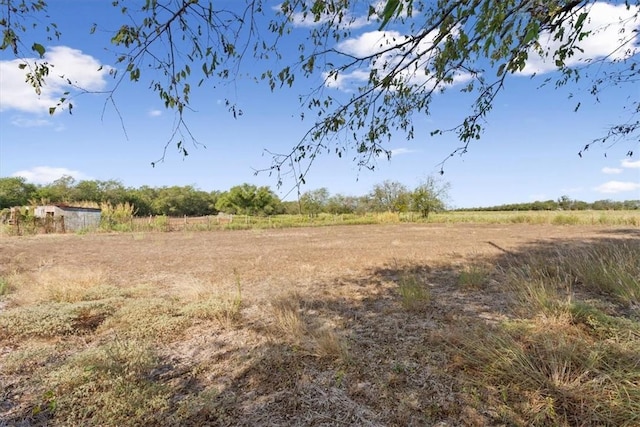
(528, 151)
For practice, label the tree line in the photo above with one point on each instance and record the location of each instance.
(564, 203)
(245, 199)
(430, 196)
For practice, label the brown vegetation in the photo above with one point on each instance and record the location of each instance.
(403, 324)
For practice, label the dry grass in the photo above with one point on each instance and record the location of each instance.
(566, 362)
(375, 325)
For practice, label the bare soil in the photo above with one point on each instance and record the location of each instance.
(344, 278)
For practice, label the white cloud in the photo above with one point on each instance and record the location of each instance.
(611, 171)
(613, 36)
(25, 122)
(613, 187)
(155, 113)
(629, 164)
(344, 22)
(48, 174)
(400, 151)
(66, 65)
(385, 46)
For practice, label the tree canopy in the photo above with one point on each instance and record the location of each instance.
(418, 49)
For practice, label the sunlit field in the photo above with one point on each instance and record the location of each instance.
(389, 324)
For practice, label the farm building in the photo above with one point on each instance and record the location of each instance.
(68, 218)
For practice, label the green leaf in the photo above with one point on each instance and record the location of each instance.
(37, 47)
(389, 10)
(580, 20)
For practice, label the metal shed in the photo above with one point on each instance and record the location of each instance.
(68, 218)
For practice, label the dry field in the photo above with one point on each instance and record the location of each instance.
(376, 325)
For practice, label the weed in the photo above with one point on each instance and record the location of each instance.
(4, 286)
(226, 311)
(287, 317)
(414, 295)
(474, 276)
(328, 344)
(56, 284)
(148, 318)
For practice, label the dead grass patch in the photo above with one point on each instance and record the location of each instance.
(60, 285)
(384, 325)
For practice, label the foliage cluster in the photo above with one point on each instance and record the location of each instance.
(423, 48)
(245, 199)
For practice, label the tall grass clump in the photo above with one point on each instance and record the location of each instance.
(4, 286)
(291, 325)
(611, 269)
(474, 276)
(572, 359)
(414, 295)
(117, 217)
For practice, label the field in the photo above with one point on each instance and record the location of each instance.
(370, 325)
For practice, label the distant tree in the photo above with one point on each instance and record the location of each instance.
(430, 196)
(59, 191)
(314, 201)
(247, 199)
(88, 191)
(181, 200)
(580, 205)
(15, 191)
(565, 203)
(546, 205)
(113, 191)
(390, 196)
(291, 207)
(340, 204)
(142, 198)
(603, 205)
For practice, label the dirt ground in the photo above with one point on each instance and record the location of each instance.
(262, 257)
(344, 277)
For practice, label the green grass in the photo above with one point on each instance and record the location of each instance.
(474, 276)
(413, 291)
(4, 286)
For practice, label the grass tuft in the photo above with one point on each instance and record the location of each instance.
(4, 286)
(414, 295)
(287, 317)
(474, 276)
